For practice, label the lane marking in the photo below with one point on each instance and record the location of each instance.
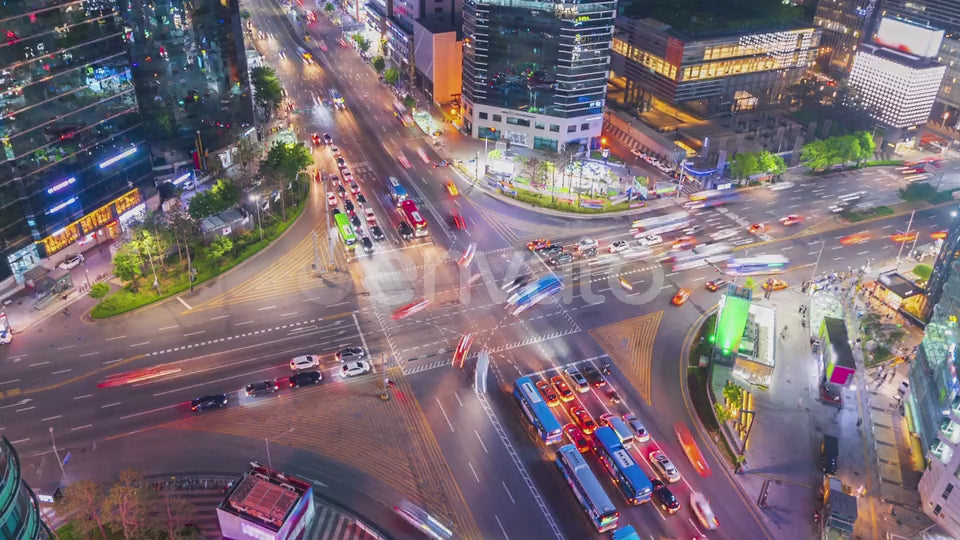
(158, 409)
(89, 354)
(218, 317)
(108, 405)
(243, 323)
(26, 409)
(508, 492)
(11, 381)
(445, 417)
(289, 314)
(39, 364)
(62, 371)
(108, 362)
(504, 531)
(474, 471)
(481, 442)
(78, 428)
(168, 327)
(184, 302)
(49, 418)
(113, 338)
(265, 308)
(18, 441)
(84, 396)
(198, 332)
(140, 344)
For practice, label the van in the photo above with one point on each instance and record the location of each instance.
(829, 452)
(619, 427)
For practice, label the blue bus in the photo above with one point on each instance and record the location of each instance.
(537, 410)
(630, 478)
(593, 499)
(759, 265)
(625, 533)
(397, 192)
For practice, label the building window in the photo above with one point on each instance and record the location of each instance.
(438, 10)
(584, 127)
(543, 143)
(539, 125)
(947, 491)
(488, 133)
(497, 118)
(483, 115)
(571, 129)
(555, 128)
(518, 121)
(937, 509)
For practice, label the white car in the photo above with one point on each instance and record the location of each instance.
(664, 466)
(6, 336)
(780, 186)
(368, 213)
(619, 246)
(306, 361)
(690, 231)
(331, 199)
(837, 209)
(703, 511)
(189, 184)
(71, 262)
(586, 243)
(724, 234)
(353, 369)
(640, 432)
(651, 240)
(636, 153)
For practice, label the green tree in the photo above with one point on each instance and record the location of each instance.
(220, 246)
(126, 264)
(281, 166)
(867, 145)
(816, 155)
(99, 290)
(248, 149)
(733, 393)
(328, 7)
(83, 502)
(173, 514)
(744, 165)
(409, 102)
(771, 163)
(749, 283)
(391, 75)
(127, 505)
(223, 195)
(723, 414)
(266, 89)
(378, 63)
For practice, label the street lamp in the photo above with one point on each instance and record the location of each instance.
(266, 441)
(256, 202)
(56, 454)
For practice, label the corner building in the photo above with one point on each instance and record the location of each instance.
(71, 135)
(535, 73)
(19, 508)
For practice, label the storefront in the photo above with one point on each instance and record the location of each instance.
(899, 294)
(98, 226)
(22, 260)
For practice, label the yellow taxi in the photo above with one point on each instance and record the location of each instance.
(774, 285)
(680, 297)
(452, 189)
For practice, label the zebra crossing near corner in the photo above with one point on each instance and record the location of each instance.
(331, 524)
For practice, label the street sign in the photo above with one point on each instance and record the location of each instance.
(66, 459)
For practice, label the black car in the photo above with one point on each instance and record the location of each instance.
(377, 233)
(348, 206)
(305, 378)
(260, 388)
(334, 211)
(587, 253)
(361, 199)
(342, 191)
(213, 401)
(666, 500)
(355, 221)
(562, 258)
(551, 251)
(347, 354)
(594, 376)
(405, 231)
(367, 245)
(341, 162)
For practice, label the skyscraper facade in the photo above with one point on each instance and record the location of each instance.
(190, 71)
(535, 73)
(72, 139)
(19, 509)
(843, 23)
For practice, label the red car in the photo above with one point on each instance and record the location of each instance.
(714, 285)
(583, 418)
(458, 221)
(316, 139)
(577, 437)
(566, 394)
(410, 309)
(539, 244)
(549, 393)
(685, 242)
(792, 219)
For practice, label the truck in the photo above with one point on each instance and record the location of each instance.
(829, 453)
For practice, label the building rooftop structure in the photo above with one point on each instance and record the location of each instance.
(265, 498)
(700, 18)
(841, 355)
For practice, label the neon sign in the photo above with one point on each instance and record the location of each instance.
(114, 159)
(62, 205)
(61, 185)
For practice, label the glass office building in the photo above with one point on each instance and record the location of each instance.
(535, 73)
(19, 509)
(72, 140)
(190, 70)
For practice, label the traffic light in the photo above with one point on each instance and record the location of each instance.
(603, 141)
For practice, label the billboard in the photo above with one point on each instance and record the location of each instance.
(909, 38)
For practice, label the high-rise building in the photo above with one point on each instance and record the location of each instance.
(72, 138)
(535, 73)
(190, 71)
(19, 509)
(844, 23)
(395, 20)
(945, 15)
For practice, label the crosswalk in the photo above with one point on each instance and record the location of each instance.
(331, 524)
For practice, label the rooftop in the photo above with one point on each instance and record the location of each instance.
(265, 497)
(706, 17)
(899, 284)
(439, 23)
(837, 332)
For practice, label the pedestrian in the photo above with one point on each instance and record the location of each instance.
(859, 421)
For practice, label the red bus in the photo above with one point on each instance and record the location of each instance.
(691, 449)
(413, 217)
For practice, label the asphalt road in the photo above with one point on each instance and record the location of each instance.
(93, 381)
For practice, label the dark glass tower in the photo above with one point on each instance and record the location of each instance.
(535, 73)
(19, 510)
(70, 130)
(190, 69)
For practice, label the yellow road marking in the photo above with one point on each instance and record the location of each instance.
(629, 344)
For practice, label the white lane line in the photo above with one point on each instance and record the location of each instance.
(18, 441)
(701, 278)
(140, 344)
(289, 314)
(504, 531)
(474, 471)
(168, 328)
(666, 287)
(672, 274)
(198, 332)
(265, 308)
(184, 302)
(26, 409)
(11, 381)
(89, 354)
(243, 323)
(481, 442)
(218, 317)
(813, 253)
(113, 338)
(61, 371)
(39, 364)
(49, 418)
(363, 340)
(108, 362)
(83, 396)
(78, 428)
(838, 258)
(66, 347)
(863, 252)
(445, 416)
(505, 488)
(108, 405)
(158, 409)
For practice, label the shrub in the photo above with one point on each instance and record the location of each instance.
(99, 290)
(923, 271)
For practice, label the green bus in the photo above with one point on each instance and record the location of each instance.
(346, 231)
